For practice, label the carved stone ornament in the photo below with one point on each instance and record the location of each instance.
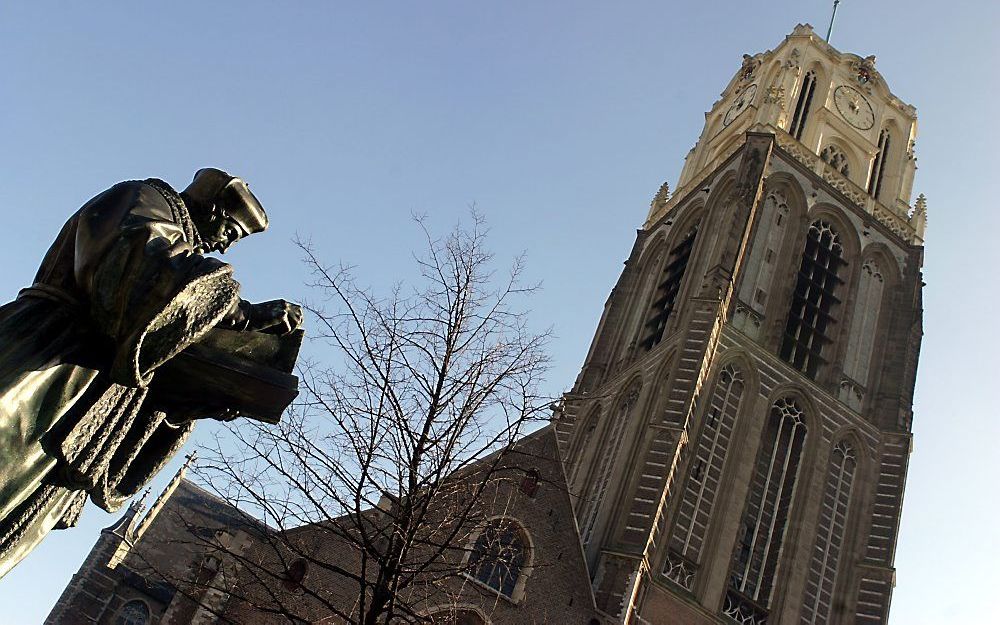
(854, 387)
(751, 315)
(127, 336)
(679, 570)
(865, 72)
(662, 196)
(750, 65)
(631, 395)
(742, 102)
(794, 59)
(775, 95)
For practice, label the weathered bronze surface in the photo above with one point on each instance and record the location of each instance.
(128, 334)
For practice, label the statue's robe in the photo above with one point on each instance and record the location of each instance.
(120, 292)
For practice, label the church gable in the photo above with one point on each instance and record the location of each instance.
(520, 559)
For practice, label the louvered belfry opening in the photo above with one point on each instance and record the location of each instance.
(665, 298)
(878, 166)
(814, 302)
(802, 105)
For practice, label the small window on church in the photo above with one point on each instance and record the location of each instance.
(529, 483)
(811, 315)
(295, 575)
(208, 569)
(499, 555)
(878, 166)
(802, 105)
(134, 612)
(665, 298)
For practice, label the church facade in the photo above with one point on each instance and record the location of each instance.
(734, 449)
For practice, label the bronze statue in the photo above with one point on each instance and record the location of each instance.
(128, 333)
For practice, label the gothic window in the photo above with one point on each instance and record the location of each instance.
(134, 612)
(802, 104)
(811, 315)
(861, 342)
(499, 555)
(834, 157)
(611, 446)
(878, 166)
(769, 501)
(688, 533)
(822, 578)
(665, 297)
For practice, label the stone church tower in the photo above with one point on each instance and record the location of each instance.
(737, 440)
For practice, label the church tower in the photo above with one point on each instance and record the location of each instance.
(737, 440)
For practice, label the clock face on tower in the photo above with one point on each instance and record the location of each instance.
(743, 101)
(854, 107)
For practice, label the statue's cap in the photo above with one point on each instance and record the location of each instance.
(214, 186)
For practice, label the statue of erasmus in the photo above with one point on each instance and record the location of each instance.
(128, 333)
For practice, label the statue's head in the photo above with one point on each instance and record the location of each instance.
(222, 208)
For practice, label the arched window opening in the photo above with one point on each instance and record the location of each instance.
(688, 533)
(834, 157)
(529, 483)
(499, 556)
(208, 568)
(811, 315)
(295, 575)
(802, 105)
(769, 501)
(665, 299)
(821, 583)
(134, 612)
(602, 476)
(878, 165)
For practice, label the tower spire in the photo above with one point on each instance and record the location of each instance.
(829, 31)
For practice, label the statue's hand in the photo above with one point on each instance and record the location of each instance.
(275, 317)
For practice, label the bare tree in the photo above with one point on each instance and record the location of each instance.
(377, 478)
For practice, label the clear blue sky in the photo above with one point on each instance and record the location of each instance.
(559, 120)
